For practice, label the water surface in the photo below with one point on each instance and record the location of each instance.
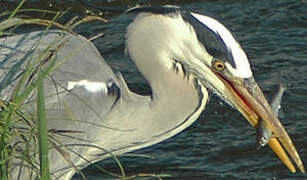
(221, 144)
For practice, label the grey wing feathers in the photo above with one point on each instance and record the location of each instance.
(80, 92)
(79, 65)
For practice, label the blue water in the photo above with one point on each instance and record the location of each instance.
(221, 144)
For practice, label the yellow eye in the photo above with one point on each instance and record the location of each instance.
(218, 65)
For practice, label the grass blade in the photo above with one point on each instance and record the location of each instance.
(42, 128)
(17, 9)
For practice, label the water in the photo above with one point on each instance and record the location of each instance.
(221, 144)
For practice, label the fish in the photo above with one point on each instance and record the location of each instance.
(264, 134)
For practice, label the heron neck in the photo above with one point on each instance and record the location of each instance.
(176, 98)
(172, 90)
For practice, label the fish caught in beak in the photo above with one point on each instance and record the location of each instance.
(249, 100)
(264, 134)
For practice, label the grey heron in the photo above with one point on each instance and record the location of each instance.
(184, 56)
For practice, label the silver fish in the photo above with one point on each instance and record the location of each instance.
(263, 133)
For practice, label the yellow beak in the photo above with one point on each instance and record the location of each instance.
(249, 100)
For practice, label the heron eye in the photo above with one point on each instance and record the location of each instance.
(218, 65)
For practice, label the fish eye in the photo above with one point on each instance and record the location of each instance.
(218, 65)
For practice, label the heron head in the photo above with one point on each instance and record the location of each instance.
(207, 49)
(228, 74)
